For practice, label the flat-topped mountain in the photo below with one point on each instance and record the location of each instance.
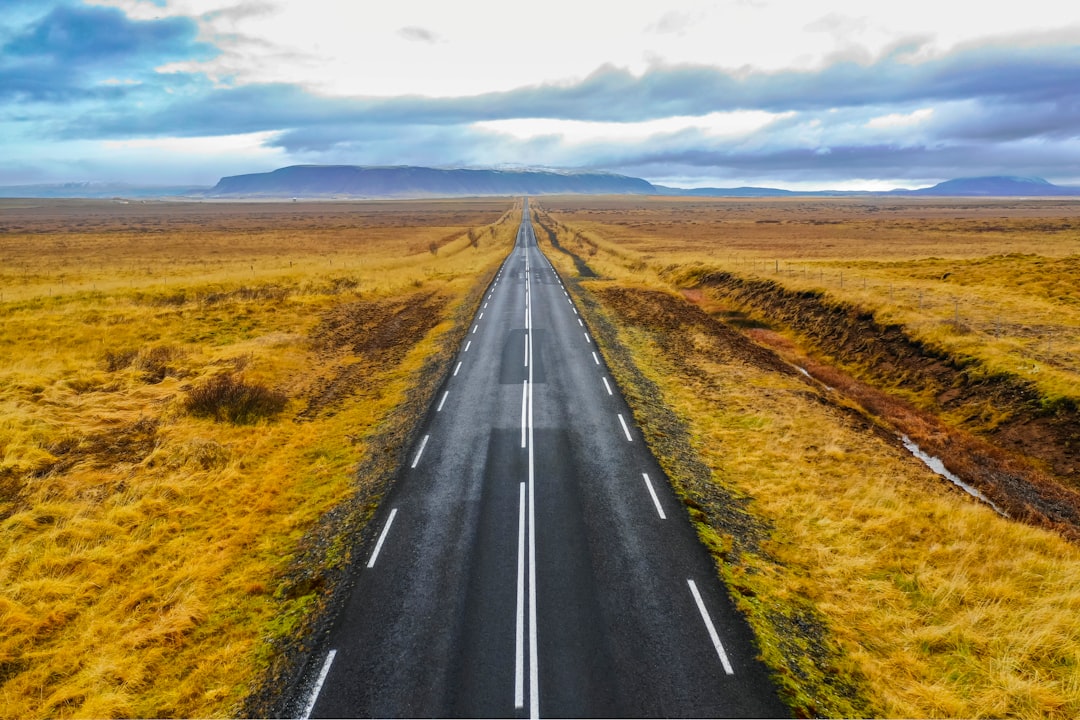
(408, 181)
(996, 185)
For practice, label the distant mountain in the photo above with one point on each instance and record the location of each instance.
(408, 181)
(994, 186)
(358, 181)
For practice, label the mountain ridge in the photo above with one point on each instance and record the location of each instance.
(414, 181)
(410, 181)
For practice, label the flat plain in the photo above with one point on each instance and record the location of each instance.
(187, 390)
(802, 349)
(200, 404)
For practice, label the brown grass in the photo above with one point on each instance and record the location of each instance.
(182, 402)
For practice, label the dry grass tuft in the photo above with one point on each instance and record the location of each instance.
(231, 398)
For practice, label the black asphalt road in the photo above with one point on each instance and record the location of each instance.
(532, 559)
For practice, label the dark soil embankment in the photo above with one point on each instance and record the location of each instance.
(1017, 447)
(377, 334)
(546, 224)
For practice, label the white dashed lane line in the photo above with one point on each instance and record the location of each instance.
(318, 684)
(652, 494)
(606, 386)
(626, 430)
(712, 630)
(423, 444)
(441, 402)
(382, 537)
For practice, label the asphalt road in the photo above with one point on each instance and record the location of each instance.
(532, 559)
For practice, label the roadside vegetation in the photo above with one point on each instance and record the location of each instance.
(776, 393)
(194, 400)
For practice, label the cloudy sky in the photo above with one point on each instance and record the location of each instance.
(786, 93)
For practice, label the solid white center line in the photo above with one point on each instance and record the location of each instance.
(595, 359)
(439, 409)
(468, 345)
(712, 630)
(519, 661)
(524, 408)
(625, 429)
(606, 386)
(423, 444)
(318, 684)
(534, 650)
(652, 493)
(456, 369)
(382, 538)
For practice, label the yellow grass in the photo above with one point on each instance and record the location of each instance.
(875, 588)
(997, 280)
(144, 552)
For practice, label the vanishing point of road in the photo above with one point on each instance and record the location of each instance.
(531, 558)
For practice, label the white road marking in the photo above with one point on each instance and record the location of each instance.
(524, 410)
(519, 662)
(444, 395)
(468, 345)
(318, 684)
(474, 327)
(712, 630)
(587, 338)
(382, 538)
(595, 359)
(456, 369)
(481, 316)
(526, 349)
(625, 429)
(423, 444)
(534, 662)
(652, 493)
(606, 386)
(575, 311)
(580, 323)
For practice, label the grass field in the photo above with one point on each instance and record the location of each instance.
(186, 390)
(995, 279)
(876, 587)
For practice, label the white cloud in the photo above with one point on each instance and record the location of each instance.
(720, 124)
(346, 47)
(898, 120)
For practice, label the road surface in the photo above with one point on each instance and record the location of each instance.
(532, 559)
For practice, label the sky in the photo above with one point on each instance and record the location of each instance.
(810, 94)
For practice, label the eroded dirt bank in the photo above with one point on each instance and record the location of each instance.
(1020, 449)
